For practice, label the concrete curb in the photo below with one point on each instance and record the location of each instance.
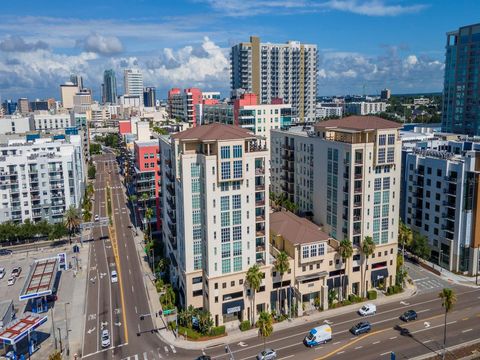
(451, 348)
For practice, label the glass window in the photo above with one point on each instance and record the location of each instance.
(313, 250)
(237, 217)
(197, 248)
(225, 250)
(321, 249)
(378, 184)
(384, 237)
(237, 264)
(386, 183)
(376, 212)
(306, 252)
(381, 156)
(237, 169)
(382, 140)
(225, 266)
(376, 238)
(385, 224)
(237, 248)
(196, 201)
(391, 139)
(195, 169)
(225, 219)
(237, 151)
(225, 203)
(226, 170)
(225, 234)
(224, 186)
(377, 197)
(236, 201)
(197, 233)
(225, 152)
(237, 233)
(385, 210)
(197, 262)
(391, 155)
(196, 218)
(376, 225)
(196, 185)
(386, 197)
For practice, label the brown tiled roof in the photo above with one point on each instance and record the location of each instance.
(212, 132)
(294, 229)
(359, 123)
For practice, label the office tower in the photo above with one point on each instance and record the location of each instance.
(287, 71)
(44, 178)
(9, 107)
(440, 193)
(183, 105)
(385, 94)
(68, 91)
(77, 80)
(23, 107)
(149, 97)
(461, 112)
(109, 87)
(345, 174)
(82, 101)
(133, 82)
(215, 204)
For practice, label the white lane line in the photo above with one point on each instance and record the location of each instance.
(427, 341)
(166, 349)
(385, 353)
(138, 327)
(340, 352)
(136, 311)
(173, 349)
(393, 337)
(421, 279)
(376, 342)
(133, 291)
(467, 330)
(336, 343)
(145, 356)
(358, 347)
(286, 357)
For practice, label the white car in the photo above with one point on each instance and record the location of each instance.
(114, 277)
(267, 354)
(2, 273)
(11, 280)
(367, 309)
(97, 217)
(105, 339)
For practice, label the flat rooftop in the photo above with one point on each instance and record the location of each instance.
(40, 279)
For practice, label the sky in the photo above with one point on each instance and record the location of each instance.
(363, 44)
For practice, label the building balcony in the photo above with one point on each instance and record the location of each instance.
(450, 204)
(35, 197)
(357, 190)
(451, 179)
(259, 171)
(358, 176)
(172, 215)
(260, 218)
(171, 189)
(345, 202)
(260, 187)
(357, 231)
(357, 204)
(345, 189)
(260, 232)
(259, 202)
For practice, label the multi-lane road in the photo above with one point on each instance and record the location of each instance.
(118, 306)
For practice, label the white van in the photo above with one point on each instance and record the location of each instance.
(319, 335)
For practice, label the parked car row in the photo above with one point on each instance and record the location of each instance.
(13, 276)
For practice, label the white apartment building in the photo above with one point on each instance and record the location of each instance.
(345, 174)
(286, 71)
(133, 82)
(44, 120)
(206, 95)
(365, 108)
(67, 92)
(440, 193)
(15, 124)
(215, 181)
(40, 180)
(82, 101)
(322, 111)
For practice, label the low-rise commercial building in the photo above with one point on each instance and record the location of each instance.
(365, 108)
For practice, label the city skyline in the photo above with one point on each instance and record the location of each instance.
(187, 44)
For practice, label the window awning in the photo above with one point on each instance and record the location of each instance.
(379, 274)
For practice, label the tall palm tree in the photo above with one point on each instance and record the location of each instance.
(345, 249)
(148, 217)
(144, 198)
(254, 279)
(367, 248)
(282, 265)
(265, 326)
(448, 300)
(405, 238)
(72, 221)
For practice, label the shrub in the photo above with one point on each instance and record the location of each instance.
(346, 302)
(172, 325)
(372, 294)
(190, 333)
(217, 330)
(245, 325)
(354, 298)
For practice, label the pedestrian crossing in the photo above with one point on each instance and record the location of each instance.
(428, 283)
(157, 354)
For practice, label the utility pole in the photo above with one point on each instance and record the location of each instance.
(67, 345)
(53, 329)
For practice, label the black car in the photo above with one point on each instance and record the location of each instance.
(361, 328)
(409, 315)
(204, 357)
(5, 252)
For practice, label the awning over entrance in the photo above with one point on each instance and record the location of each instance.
(233, 306)
(379, 274)
(319, 275)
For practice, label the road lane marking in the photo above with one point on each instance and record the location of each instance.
(467, 330)
(166, 349)
(385, 353)
(145, 356)
(340, 352)
(173, 349)
(427, 341)
(376, 342)
(335, 343)
(133, 291)
(286, 357)
(358, 347)
(341, 348)
(465, 318)
(392, 338)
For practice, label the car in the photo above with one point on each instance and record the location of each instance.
(203, 357)
(2, 273)
(11, 281)
(267, 354)
(97, 218)
(319, 335)
(367, 309)
(105, 338)
(361, 328)
(5, 251)
(114, 277)
(409, 316)
(16, 271)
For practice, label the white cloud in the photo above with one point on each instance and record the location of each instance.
(15, 43)
(373, 7)
(104, 45)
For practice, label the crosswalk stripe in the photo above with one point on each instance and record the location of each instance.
(173, 349)
(159, 354)
(145, 356)
(166, 349)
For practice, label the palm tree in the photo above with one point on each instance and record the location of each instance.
(367, 248)
(265, 326)
(254, 279)
(144, 198)
(405, 238)
(345, 249)
(72, 220)
(448, 300)
(282, 265)
(148, 217)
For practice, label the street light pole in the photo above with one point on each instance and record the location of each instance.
(60, 338)
(53, 329)
(67, 345)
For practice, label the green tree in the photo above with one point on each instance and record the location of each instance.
(332, 296)
(92, 172)
(57, 231)
(168, 298)
(148, 217)
(405, 235)
(144, 198)
(254, 278)
(345, 249)
(281, 265)
(420, 246)
(367, 248)
(265, 326)
(205, 321)
(95, 149)
(72, 219)
(448, 300)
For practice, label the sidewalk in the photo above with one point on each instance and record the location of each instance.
(234, 337)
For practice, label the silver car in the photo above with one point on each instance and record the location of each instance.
(267, 354)
(105, 339)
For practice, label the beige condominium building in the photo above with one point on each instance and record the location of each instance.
(215, 181)
(345, 175)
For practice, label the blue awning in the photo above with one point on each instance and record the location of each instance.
(379, 274)
(233, 306)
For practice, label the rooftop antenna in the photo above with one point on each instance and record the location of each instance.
(364, 92)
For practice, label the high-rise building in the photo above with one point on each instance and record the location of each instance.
(183, 105)
(345, 174)
(9, 107)
(23, 106)
(461, 112)
(109, 87)
(149, 97)
(82, 101)
(68, 91)
(440, 197)
(385, 94)
(215, 204)
(77, 80)
(133, 82)
(286, 71)
(43, 178)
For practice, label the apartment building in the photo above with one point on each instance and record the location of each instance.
(215, 180)
(182, 105)
(328, 110)
(440, 193)
(39, 180)
(247, 113)
(147, 181)
(365, 108)
(15, 124)
(133, 82)
(286, 71)
(345, 175)
(44, 120)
